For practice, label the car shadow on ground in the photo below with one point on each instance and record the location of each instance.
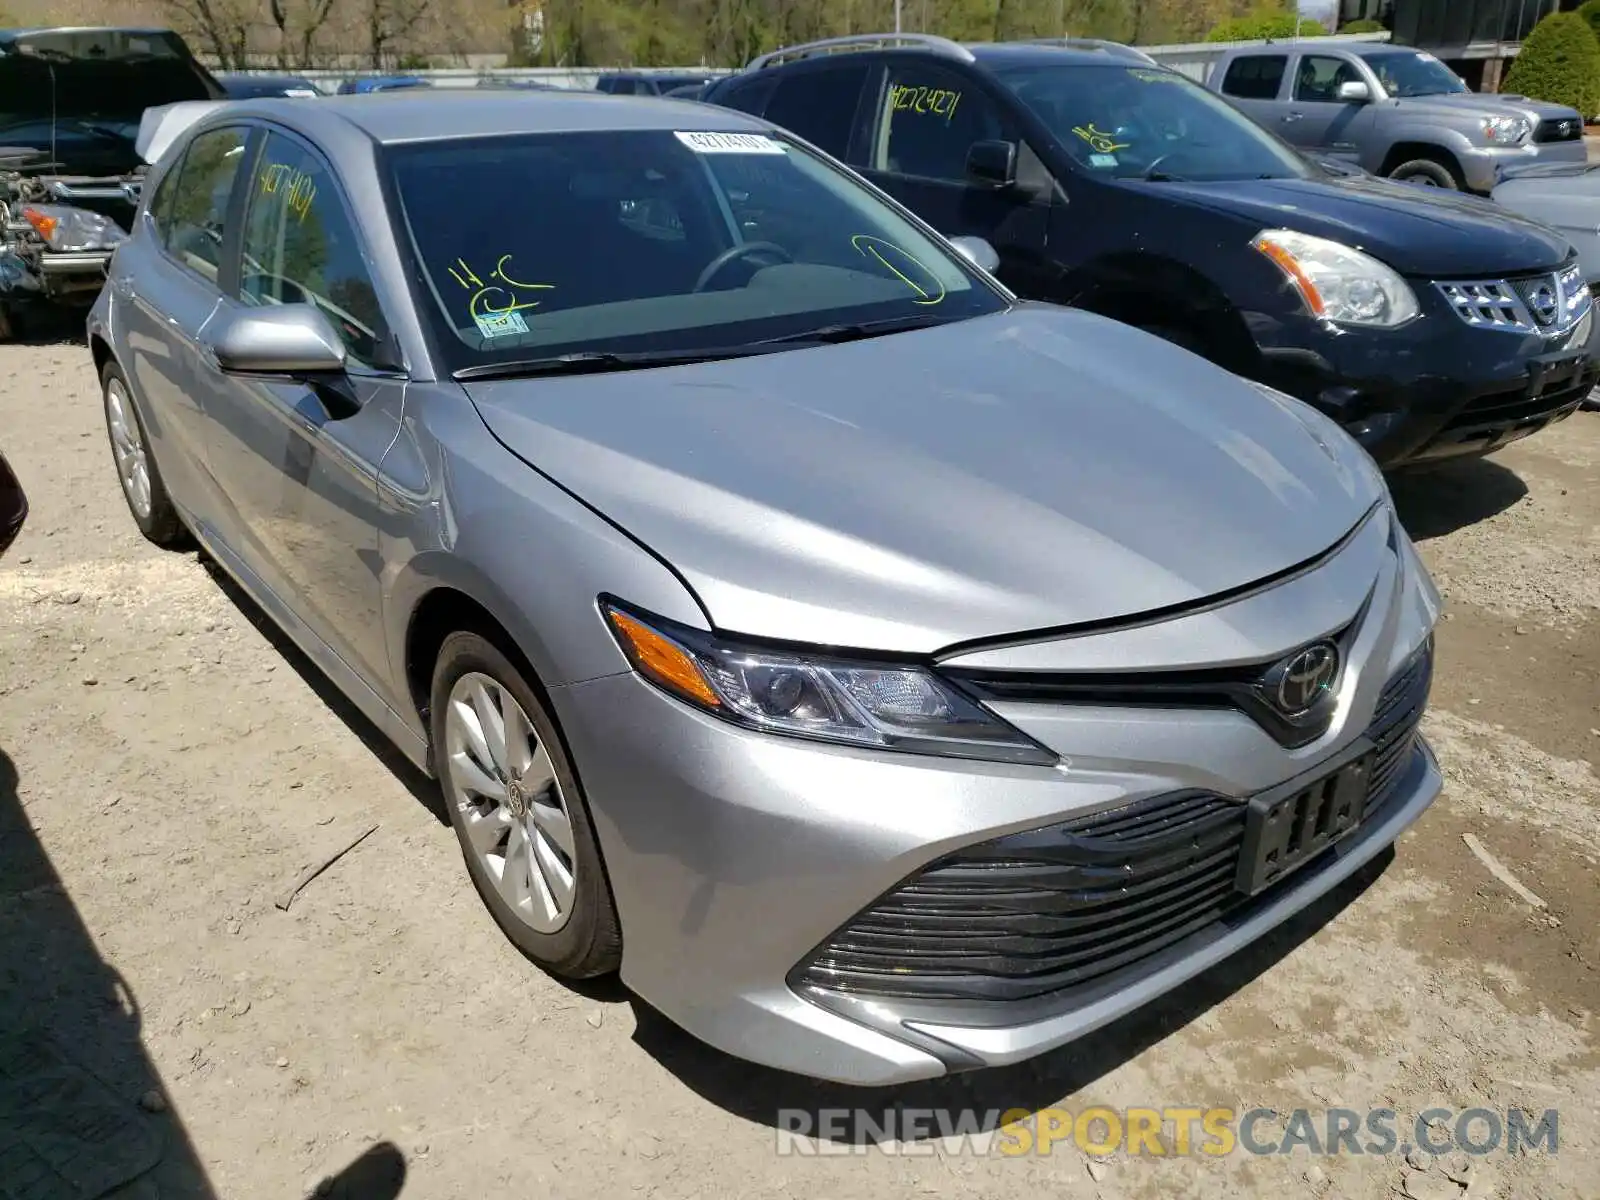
(760, 1094)
(1437, 501)
(424, 790)
(83, 1111)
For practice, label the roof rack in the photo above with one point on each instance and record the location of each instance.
(1079, 43)
(865, 41)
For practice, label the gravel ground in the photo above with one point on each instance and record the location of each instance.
(174, 765)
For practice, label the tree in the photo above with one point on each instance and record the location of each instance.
(1263, 23)
(1559, 63)
(1368, 25)
(1589, 10)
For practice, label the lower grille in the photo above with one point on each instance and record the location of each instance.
(1052, 909)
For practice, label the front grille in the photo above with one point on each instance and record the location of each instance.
(1545, 304)
(1559, 129)
(1052, 909)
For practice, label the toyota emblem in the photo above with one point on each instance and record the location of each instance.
(1296, 684)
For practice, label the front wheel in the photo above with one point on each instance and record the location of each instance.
(1427, 173)
(147, 498)
(519, 812)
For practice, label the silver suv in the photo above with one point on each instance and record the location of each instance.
(1394, 111)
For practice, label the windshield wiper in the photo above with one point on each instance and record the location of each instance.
(856, 331)
(594, 362)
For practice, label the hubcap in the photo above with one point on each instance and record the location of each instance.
(128, 448)
(504, 789)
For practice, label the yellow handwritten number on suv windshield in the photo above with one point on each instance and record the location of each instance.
(882, 250)
(480, 304)
(1100, 142)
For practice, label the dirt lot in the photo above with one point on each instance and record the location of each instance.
(177, 765)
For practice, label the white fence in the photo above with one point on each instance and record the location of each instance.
(1193, 59)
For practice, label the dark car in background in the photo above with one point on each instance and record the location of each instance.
(380, 83)
(241, 85)
(649, 83)
(70, 106)
(1431, 325)
(13, 505)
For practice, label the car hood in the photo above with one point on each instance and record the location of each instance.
(1034, 469)
(1427, 233)
(1458, 103)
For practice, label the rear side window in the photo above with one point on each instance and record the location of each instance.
(1255, 76)
(193, 232)
(820, 105)
(746, 95)
(931, 119)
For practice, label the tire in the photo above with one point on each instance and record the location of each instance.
(1426, 172)
(146, 496)
(513, 840)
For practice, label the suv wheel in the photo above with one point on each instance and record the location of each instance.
(1426, 172)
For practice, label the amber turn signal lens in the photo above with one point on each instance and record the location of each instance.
(44, 226)
(661, 660)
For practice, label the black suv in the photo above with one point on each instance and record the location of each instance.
(1431, 325)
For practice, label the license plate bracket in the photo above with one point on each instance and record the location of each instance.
(1555, 372)
(1291, 824)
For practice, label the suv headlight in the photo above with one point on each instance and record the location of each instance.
(1337, 282)
(886, 706)
(1505, 131)
(65, 229)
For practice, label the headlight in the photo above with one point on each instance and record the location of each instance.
(1505, 131)
(1337, 282)
(887, 706)
(64, 228)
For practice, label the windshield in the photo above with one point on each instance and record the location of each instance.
(658, 241)
(1148, 123)
(1415, 74)
(106, 76)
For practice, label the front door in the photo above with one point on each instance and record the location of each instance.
(928, 118)
(301, 461)
(1316, 118)
(177, 265)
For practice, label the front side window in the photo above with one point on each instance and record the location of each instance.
(193, 233)
(1320, 76)
(1255, 76)
(300, 247)
(931, 118)
(820, 105)
(658, 241)
(1151, 124)
(1413, 73)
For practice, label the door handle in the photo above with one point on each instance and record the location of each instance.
(1294, 117)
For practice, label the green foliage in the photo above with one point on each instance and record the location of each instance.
(1559, 63)
(1589, 10)
(1368, 25)
(413, 62)
(1263, 24)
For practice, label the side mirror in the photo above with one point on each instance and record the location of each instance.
(1354, 91)
(978, 252)
(285, 339)
(993, 164)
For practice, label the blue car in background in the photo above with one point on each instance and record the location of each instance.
(380, 83)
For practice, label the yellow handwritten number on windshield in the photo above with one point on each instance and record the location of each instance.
(1099, 141)
(881, 250)
(480, 304)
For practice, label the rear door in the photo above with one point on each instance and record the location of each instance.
(924, 120)
(300, 460)
(1254, 84)
(166, 287)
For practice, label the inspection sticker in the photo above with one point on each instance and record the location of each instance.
(1103, 160)
(500, 324)
(729, 143)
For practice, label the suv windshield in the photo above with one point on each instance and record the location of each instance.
(95, 80)
(1413, 73)
(654, 241)
(1133, 122)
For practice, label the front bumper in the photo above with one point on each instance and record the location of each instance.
(66, 277)
(1481, 166)
(736, 858)
(1433, 389)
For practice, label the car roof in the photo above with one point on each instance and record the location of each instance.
(1033, 54)
(16, 35)
(449, 113)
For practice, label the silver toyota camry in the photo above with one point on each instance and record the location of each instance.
(887, 677)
